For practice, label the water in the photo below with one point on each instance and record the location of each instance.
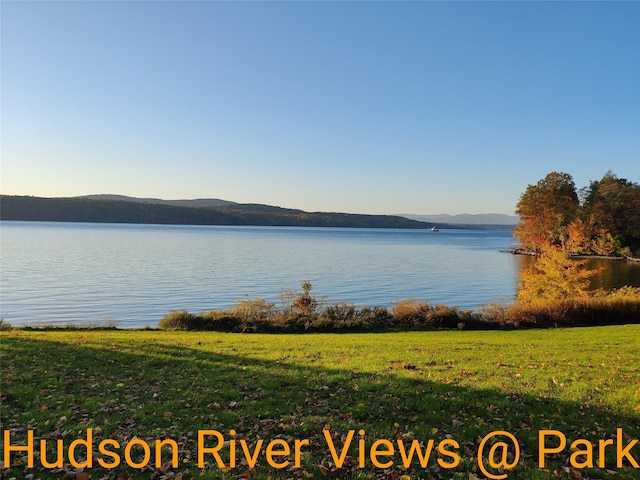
(132, 275)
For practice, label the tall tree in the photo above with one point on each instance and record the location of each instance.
(546, 209)
(553, 276)
(611, 215)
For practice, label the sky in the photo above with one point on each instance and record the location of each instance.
(360, 107)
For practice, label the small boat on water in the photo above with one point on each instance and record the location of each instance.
(434, 229)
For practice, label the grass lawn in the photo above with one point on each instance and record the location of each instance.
(451, 387)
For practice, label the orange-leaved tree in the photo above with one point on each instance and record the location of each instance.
(546, 209)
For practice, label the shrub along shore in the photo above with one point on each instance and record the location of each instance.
(302, 312)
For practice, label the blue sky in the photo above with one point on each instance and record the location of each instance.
(363, 107)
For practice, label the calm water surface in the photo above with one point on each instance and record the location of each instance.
(132, 275)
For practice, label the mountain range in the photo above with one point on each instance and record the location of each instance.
(461, 219)
(466, 218)
(209, 211)
(198, 202)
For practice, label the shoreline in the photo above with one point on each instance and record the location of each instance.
(521, 251)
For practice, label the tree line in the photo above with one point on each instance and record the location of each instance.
(600, 219)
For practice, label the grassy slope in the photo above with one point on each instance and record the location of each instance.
(425, 385)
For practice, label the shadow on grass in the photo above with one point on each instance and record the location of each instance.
(125, 389)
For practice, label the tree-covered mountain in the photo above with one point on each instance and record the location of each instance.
(198, 202)
(83, 209)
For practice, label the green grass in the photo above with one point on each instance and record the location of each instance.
(460, 385)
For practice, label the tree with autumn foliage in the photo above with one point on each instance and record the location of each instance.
(546, 209)
(603, 220)
(611, 215)
(553, 276)
(555, 225)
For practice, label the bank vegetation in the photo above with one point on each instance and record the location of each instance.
(303, 312)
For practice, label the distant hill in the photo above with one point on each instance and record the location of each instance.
(484, 219)
(110, 210)
(199, 202)
(467, 219)
(213, 211)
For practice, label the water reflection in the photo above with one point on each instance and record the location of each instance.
(610, 273)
